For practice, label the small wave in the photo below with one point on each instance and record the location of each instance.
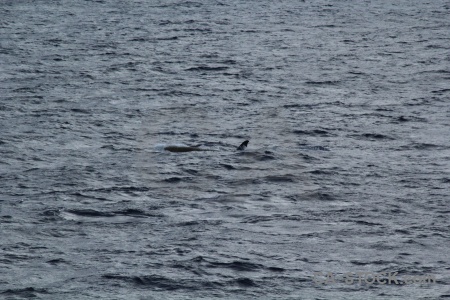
(257, 219)
(314, 148)
(126, 189)
(89, 213)
(367, 223)
(244, 282)
(228, 167)
(28, 292)
(266, 157)
(57, 261)
(374, 136)
(51, 213)
(402, 119)
(81, 195)
(199, 222)
(173, 179)
(280, 178)
(81, 110)
(307, 157)
(442, 91)
(131, 212)
(276, 269)
(325, 82)
(318, 196)
(191, 171)
(237, 266)
(206, 68)
(419, 146)
(164, 283)
(315, 132)
(360, 263)
(322, 172)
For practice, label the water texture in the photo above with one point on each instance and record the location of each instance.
(346, 106)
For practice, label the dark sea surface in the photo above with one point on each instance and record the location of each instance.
(347, 108)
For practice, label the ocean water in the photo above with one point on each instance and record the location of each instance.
(347, 108)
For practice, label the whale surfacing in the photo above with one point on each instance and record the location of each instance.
(183, 149)
(197, 148)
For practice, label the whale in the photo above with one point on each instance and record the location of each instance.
(197, 148)
(243, 145)
(184, 149)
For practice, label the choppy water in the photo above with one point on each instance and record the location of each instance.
(345, 103)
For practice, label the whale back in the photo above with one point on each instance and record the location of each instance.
(183, 149)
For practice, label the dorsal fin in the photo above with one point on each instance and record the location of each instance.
(243, 145)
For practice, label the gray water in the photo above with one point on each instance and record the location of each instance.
(345, 104)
